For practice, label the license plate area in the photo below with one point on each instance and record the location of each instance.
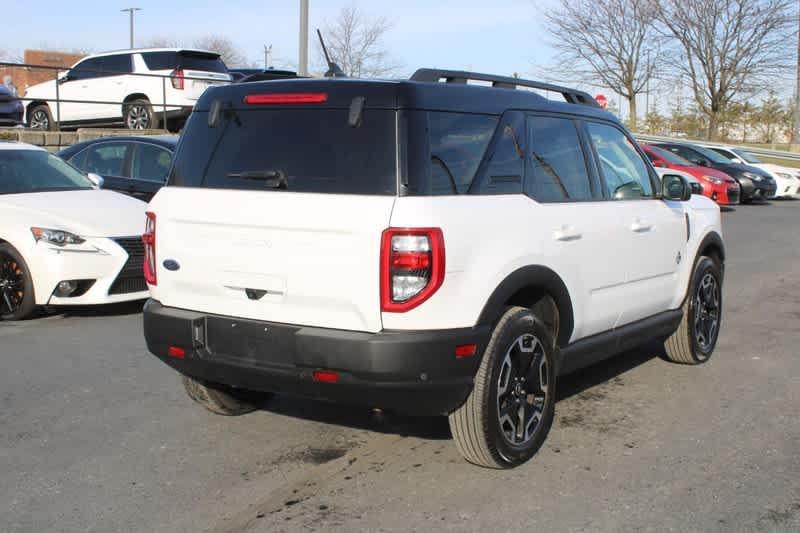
(250, 343)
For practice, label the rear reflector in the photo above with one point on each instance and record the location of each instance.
(174, 351)
(286, 98)
(325, 376)
(466, 350)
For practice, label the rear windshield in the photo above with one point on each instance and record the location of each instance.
(185, 61)
(311, 150)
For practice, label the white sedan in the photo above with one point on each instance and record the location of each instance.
(62, 240)
(786, 179)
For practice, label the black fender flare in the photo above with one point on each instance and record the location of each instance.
(539, 277)
(712, 238)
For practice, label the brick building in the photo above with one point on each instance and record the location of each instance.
(24, 77)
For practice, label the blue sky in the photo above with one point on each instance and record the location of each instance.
(472, 34)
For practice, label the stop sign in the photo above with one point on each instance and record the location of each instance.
(602, 101)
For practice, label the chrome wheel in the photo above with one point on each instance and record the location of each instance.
(706, 312)
(40, 120)
(138, 117)
(12, 285)
(522, 390)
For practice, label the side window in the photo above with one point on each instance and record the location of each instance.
(116, 65)
(107, 159)
(151, 163)
(685, 153)
(86, 70)
(79, 160)
(556, 166)
(623, 169)
(457, 143)
(503, 172)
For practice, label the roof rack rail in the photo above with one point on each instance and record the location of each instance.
(572, 96)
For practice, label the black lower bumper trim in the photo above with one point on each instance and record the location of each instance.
(411, 372)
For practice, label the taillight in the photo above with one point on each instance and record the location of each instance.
(149, 240)
(412, 267)
(286, 98)
(177, 79)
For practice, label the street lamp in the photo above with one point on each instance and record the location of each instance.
(131, 10)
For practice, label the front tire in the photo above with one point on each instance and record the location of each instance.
(223, 400)
(40, 118)
(508, 414)
(139, 115)
(694, 340)
(17, 301)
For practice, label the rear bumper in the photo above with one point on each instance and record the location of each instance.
(412, 372)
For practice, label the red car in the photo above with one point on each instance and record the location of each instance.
(717, 185)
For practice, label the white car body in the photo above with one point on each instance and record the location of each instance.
(87, 81)
(787, 179)
(97, 216)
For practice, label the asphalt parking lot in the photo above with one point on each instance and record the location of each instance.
(97, 435)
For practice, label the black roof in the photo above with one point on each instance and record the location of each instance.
(170, 142)
(406, 94)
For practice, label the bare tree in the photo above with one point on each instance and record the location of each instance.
(727, 47)
(355, 42)
(229, 52)
(160, 42)
(605, 40)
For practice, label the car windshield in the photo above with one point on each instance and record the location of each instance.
(712, 155)
(748, 157)
(26, 171)
(668, 156)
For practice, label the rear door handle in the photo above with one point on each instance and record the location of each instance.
(641, 226)
(567, 233)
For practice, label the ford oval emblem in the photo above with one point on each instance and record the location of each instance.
(171, 264)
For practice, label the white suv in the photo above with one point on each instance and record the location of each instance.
(423, 247)
(130, 86)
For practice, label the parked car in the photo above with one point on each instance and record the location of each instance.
(715, 184)
(135, 101)
(11, 109)
(137, 166)
(63, 241)
(694, 185)
(423, 247)
(264, 75)
(786, 179)
(754, 183)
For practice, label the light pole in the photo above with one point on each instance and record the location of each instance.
(796, 136)
(302, 63)
(131, 10)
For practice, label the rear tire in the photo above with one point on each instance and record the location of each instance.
(40, 118)
(694, 340)
(139, 115)
(508, 414)
(17, 300)
(224, 400)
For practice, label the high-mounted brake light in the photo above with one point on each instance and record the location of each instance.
(177, 79)
(286, 98)
(412, 267)
(325, 376)
(149, 241)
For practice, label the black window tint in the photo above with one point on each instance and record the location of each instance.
(557, 169)
(457, 143)
(107, 159)
(151, 163)
(687, 154)
(116, 65)
(87, 69)
(623, 169)
(184, 60)
(504, 171)
(315, 149)
(79, 160)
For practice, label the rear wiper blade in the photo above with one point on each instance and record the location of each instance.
(275, 179)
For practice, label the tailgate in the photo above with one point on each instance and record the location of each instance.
(295, 258)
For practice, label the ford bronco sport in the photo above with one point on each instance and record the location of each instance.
(427, 246)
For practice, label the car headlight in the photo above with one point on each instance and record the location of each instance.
(56, 236)
(712, 179)
(754, 177)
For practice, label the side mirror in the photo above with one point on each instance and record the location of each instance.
(696, 188)
(676, 188)
(96, 180)
(64, 77)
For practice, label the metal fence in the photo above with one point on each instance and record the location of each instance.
(163, 107)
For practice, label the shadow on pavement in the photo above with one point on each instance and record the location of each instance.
(120, 309)
(436, 427)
